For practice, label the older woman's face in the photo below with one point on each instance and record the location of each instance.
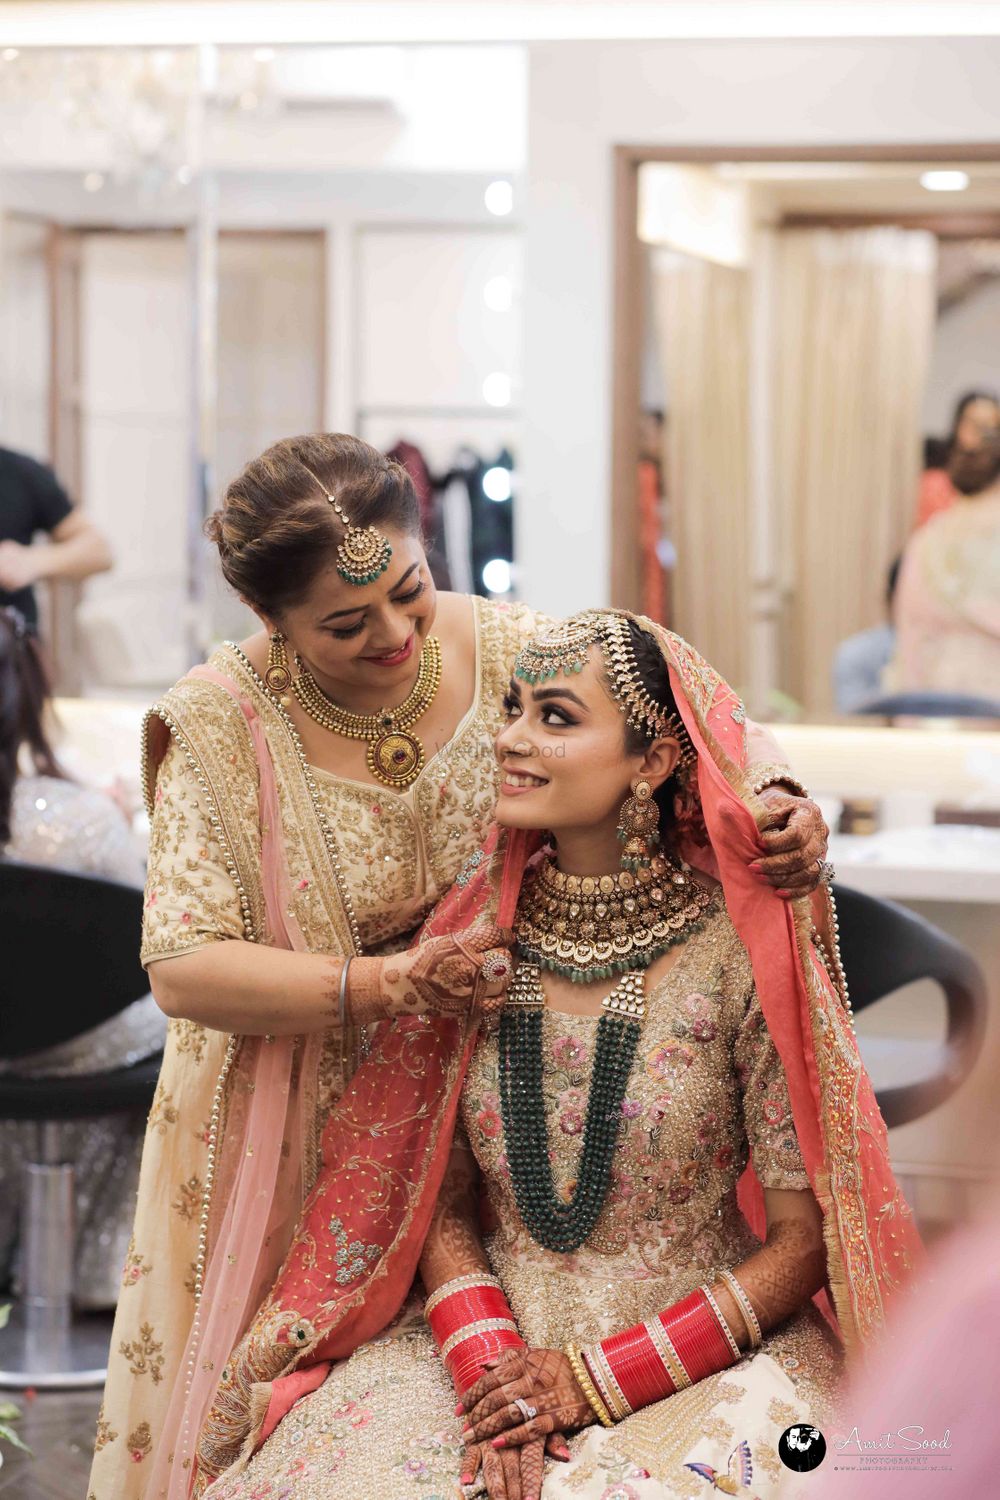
(562, 753)
(371, 634)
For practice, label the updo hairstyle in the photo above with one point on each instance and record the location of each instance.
(276, 531)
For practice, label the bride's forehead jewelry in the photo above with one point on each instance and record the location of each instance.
(565, 649)
(364, 553)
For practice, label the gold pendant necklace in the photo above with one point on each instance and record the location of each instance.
(588, 927)
(395, 757)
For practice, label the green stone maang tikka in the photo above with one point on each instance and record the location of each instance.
(364, 553)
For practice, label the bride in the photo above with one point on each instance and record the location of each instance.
(660, 1213)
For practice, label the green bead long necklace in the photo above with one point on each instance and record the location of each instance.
(551, 1222)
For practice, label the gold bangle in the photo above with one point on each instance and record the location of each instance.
(598, 1367)
(746, 1308)
(730, 1337)
(664, 1346)
(587, 1386)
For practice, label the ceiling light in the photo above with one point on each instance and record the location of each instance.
(944, 181)
(496, 575)
(496, 389)
(496, 483)
(9, 54)
(499, 198)
(93, 182)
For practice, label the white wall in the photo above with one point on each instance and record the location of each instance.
(966, 355)
(584, 98)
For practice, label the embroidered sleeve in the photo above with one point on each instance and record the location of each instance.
(191, 899)
(767, 1113)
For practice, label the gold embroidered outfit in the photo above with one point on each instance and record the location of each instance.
(706, 1087)
(395, 854)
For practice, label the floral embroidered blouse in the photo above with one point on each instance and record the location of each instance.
(707, 1088)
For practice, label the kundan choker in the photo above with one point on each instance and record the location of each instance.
(395, 756)
(589, 927)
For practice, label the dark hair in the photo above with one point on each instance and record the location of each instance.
(24, 694)
(656, 680)
(962, 405)
(971, 473)
(276, 530)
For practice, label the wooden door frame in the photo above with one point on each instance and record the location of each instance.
(627, 304)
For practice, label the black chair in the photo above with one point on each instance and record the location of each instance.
(70, 946)
(930, 706)
(884, 947)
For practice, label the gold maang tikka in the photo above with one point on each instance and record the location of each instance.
(364, 553)
(565, 648)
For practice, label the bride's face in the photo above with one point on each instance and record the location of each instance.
(562, 755)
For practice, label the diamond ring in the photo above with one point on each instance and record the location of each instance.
(827, 873)
(527, 1411)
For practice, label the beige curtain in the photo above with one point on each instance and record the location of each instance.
(702, 325)
(854, 322)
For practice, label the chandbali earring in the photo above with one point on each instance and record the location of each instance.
(639, 827)
(277, 677)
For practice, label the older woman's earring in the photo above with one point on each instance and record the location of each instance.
(639, 827)
(277, 677)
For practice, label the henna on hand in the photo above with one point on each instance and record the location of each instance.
(794, 843)
(560, 1404)
(438, 977)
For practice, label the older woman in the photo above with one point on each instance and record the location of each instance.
(312, 792)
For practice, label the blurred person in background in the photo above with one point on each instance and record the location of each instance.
(47, 819)
(31, 501)
(977, 415)
(860, 661)
(948, 599)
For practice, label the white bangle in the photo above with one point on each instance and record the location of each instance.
(342, 1009)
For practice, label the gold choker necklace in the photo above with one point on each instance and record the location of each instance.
(395, 757)
(588, 927)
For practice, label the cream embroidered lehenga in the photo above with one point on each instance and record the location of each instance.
(397, 853)
(707, 1085)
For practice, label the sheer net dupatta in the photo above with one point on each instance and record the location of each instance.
(355, 1252)
(873, 1249)
(259, 1147)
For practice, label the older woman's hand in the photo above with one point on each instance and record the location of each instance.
(444, 976)
(794, 844)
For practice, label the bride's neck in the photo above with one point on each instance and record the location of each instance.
(588, 851)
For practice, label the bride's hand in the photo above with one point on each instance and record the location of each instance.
(445, 976)
(544, 1380)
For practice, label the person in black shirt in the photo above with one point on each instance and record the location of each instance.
(33, 500)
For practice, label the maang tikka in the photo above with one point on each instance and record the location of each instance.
(364, 553)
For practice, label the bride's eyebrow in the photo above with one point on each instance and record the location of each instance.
(545, 695)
